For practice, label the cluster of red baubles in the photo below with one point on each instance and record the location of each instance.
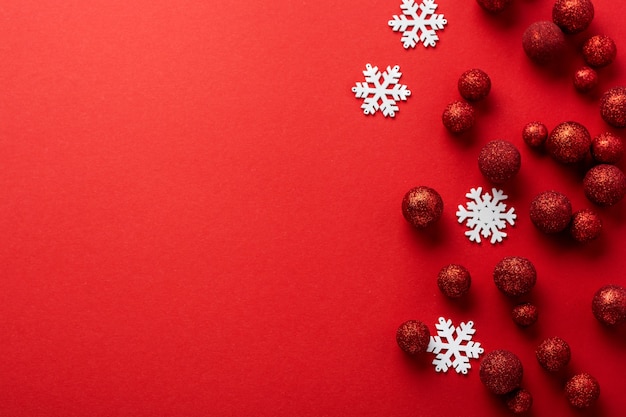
(459, 116)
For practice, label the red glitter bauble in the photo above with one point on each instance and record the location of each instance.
(413, 337)
(494, 6)
(543, 42)
(613, 106)
(524, 314)
(474, 84)
(499, 161)
(454, 281)
(515, 276)
(609, 305)
(586, 225)
(458, 117)
(422, 206)
(607, 148)
(569, 142)
(599, 51)
(582, 390)
(553, 354)
(585, 79)
(551, 212)
(519, 401)
(605, 185)
(535, 134)
(501, 371)
(572, 16)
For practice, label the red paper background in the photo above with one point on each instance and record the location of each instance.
(198, 220)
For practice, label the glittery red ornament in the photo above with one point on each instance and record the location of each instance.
(474, 84)
(543, 42)
(515, 276)
(413, 337)
(422, 206)
(535, 134)
(553, 354)
(582, 390)
(585, 79)
(519, 401)
(494, 6)
(586, 225)
(607, 148)
(458, 117)
(499, 161)
(569, 142)
(551, 212)
(599, 51)
(501, 371)
(609, 305)
(454, 281)
(524, 314)
(572, 16)
(605, 185)
(613, 106)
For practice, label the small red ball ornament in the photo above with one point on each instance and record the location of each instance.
(582, 390)
(474, 84)
(599, 51)
(422, 206)
(524, 314)
(609, 305)
(494, 6)
(553, 354)
(585, 79)
(458, 117)
(551, 212)
(543, 42)
(413, 337)
(613, 107)
(607, 148)
(586, 225)
(535, 134)
(454, 281)
(501, 371)
(569, 142)
(499, 161)
(572, 16)
(515, 276)
(519, 401)
(605, 185)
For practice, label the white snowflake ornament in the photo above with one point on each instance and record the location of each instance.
(416, 27)
(486, 215)
(381, 91)
(453, 346)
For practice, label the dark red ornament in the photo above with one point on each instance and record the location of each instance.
(613, 107)
(553, 354)
(569, 142)
(535, 134)
(494, 6)
(599, 51)
(501, 371)
(551, 212)
(543, 42)
(605, 185)
(458, 117)
(582, 390)
(474, 84)
(585, 79)
(609, 305)
(454, 281)
(499, 161)
(422, 206)
(607, 148)
(515, 276)
(524, 314)
(572, 16)
(413, 337)
(586, 225)
(519, 401)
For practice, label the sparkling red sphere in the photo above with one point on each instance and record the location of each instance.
(599, 51)
(524, 314)
(515, 276)
(609, 305)
(613, 107)
(519, 401)
(422, 206)
(553, 354)
(499, 161)
(543, 42)
(454, 280)
(585, 79)
(551, 212)
(569, 142)
(582, 390)
(474, 84)
(586, 225)
(494, 6)
(607, 148)
(572, 16)
(605, 185)
(501, 371)
(413, 337)
(458, 117)
(535, 134)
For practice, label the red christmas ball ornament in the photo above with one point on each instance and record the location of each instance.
(501, 371)
(582, 390)
(422, 206)
(454, 281)
(607, 148)
(568, 142)
(515, 276)
(474, 84)
(458, 117)
(613, 107)
(572, 16)
(586, 225)
(551, 212)
(494, 6)
(413, 337)
(524, 314)
(519, 401)
(499, 161)
(553, 354)
(543, 42)
(585, 79)
(535, 134)
(605, 185)
(609, 305)
(599, 51)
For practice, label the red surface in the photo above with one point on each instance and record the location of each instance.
(197, 219)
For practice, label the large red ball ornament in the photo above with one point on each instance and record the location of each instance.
(514, 276)
(458, 117)
(609, 305)
(605, 185)
(551, 212)
(501, 371)
(499, 161)
(582, 390)
(572, 16)
(569, 142)
(413, 337)
(543, 42)
(607, 148)
(422, 206)
(613, 107)
(599, 51)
